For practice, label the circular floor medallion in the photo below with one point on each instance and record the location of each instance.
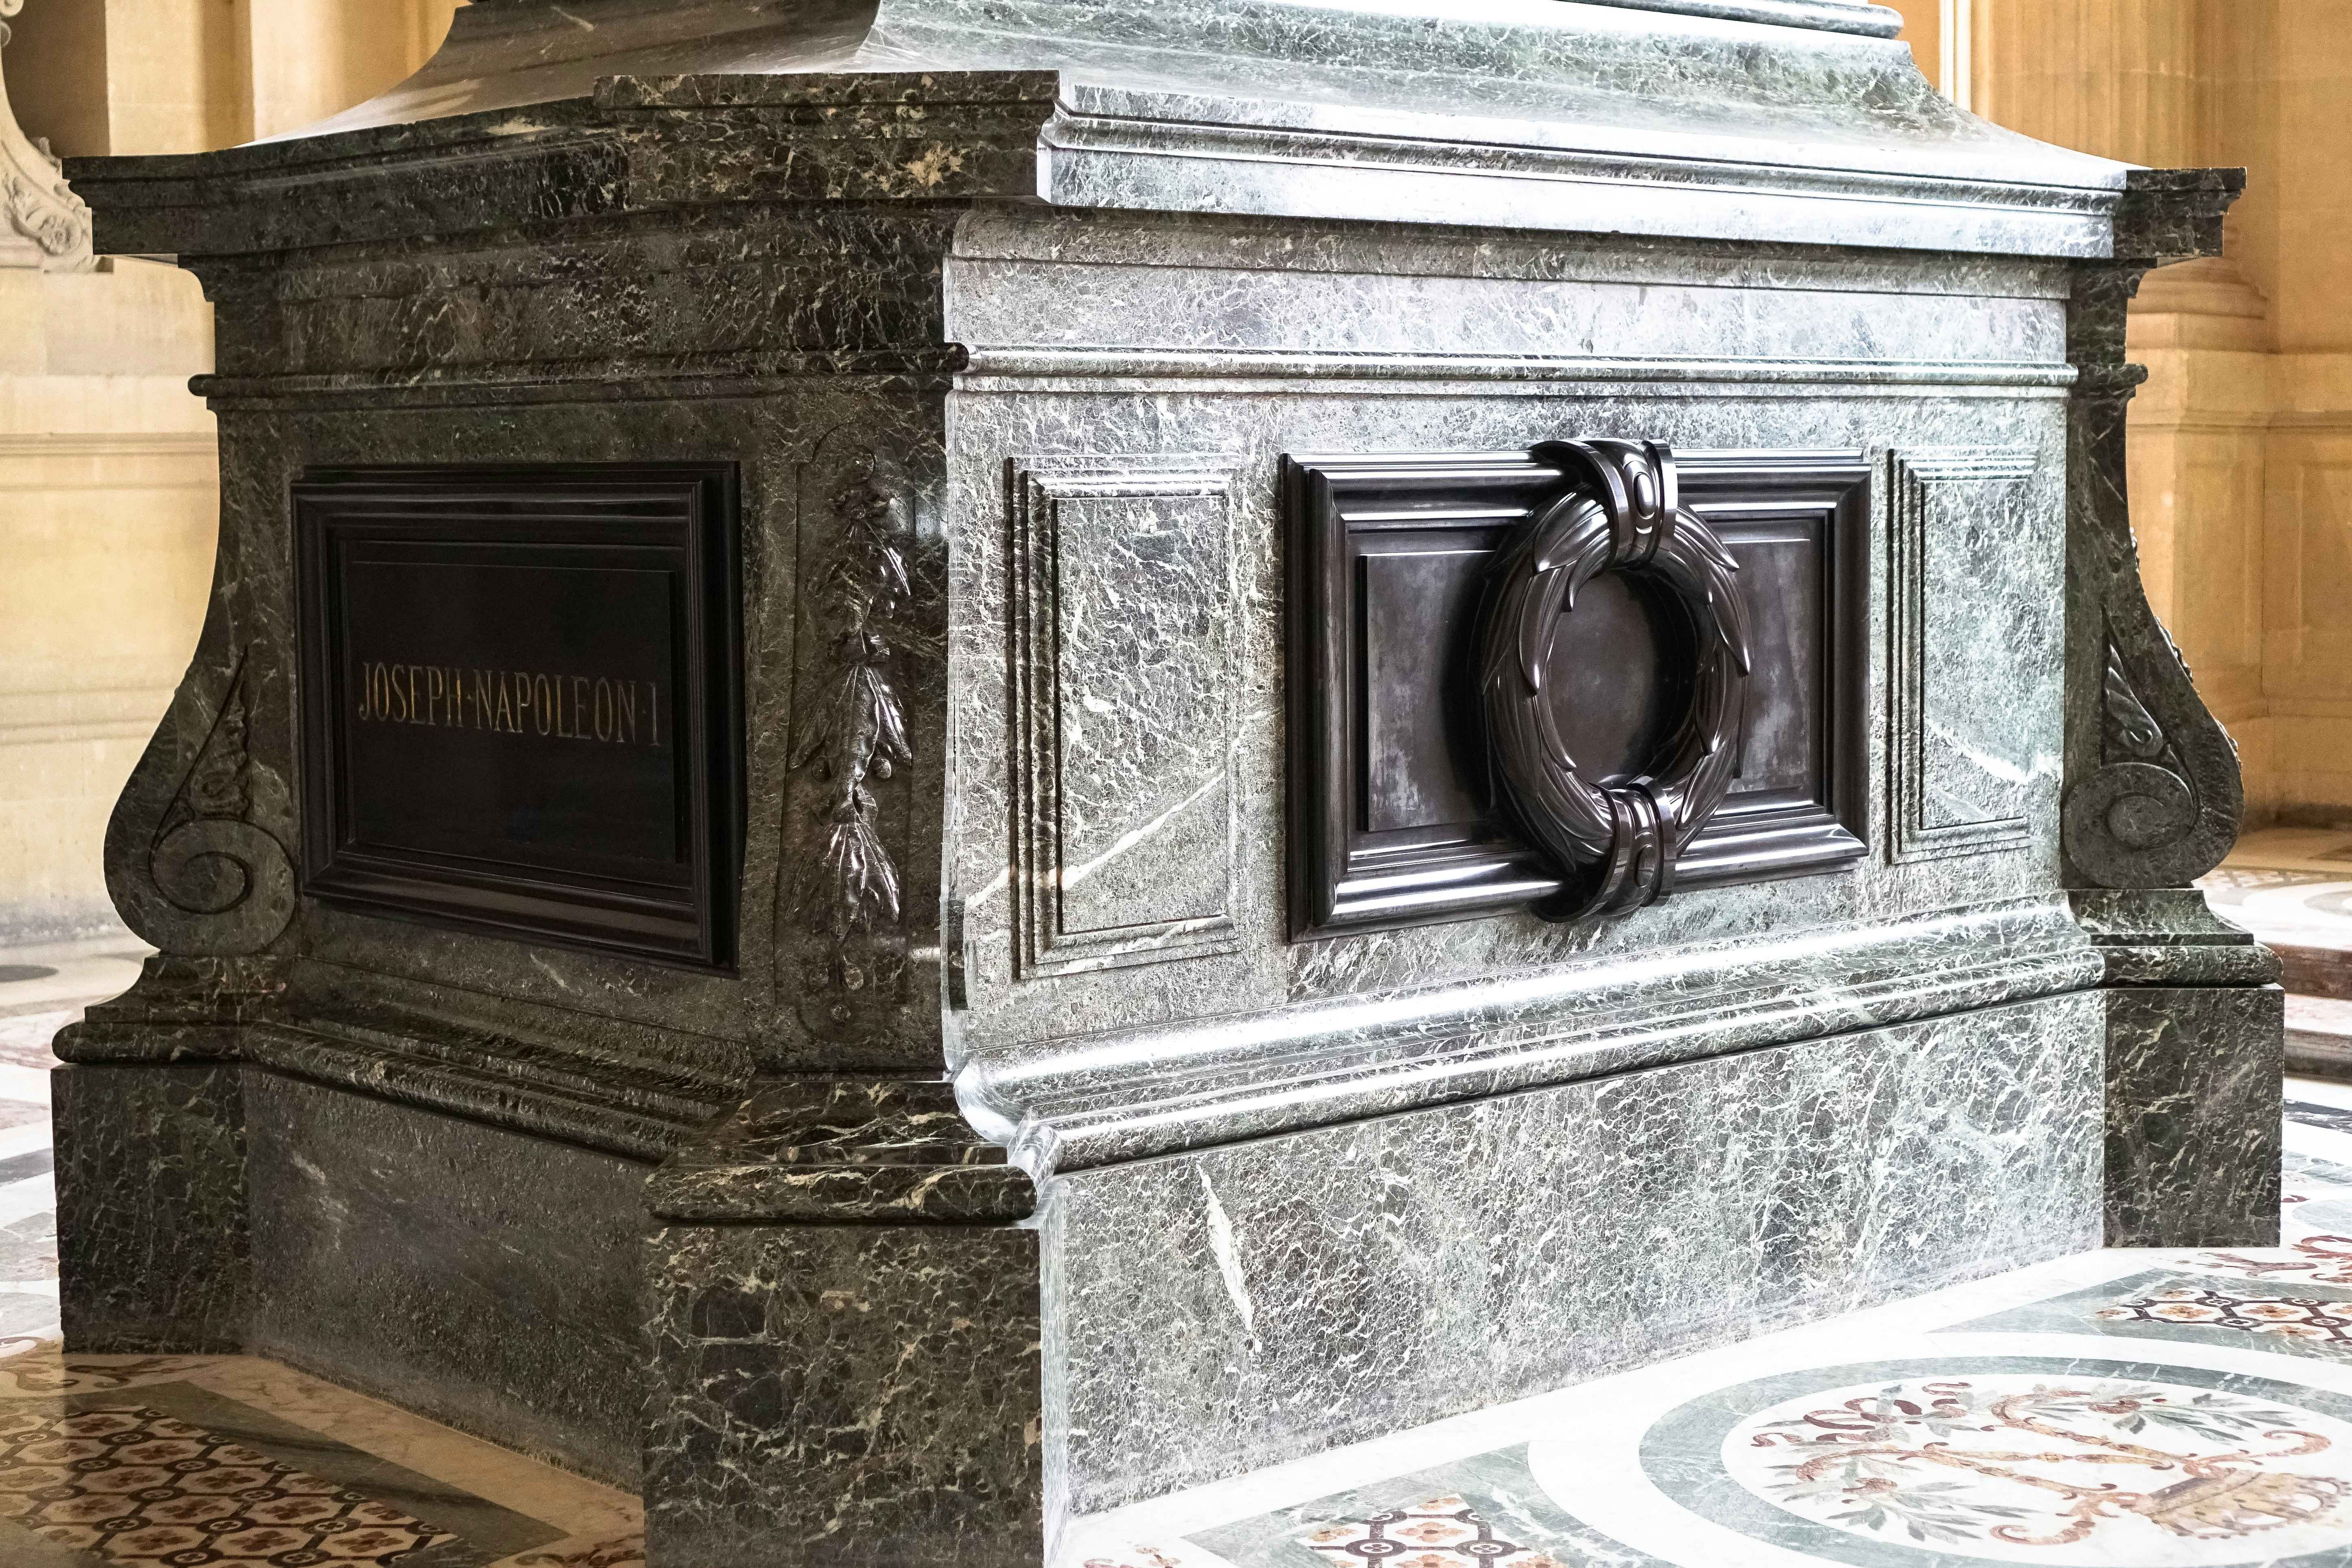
(2019, 1461)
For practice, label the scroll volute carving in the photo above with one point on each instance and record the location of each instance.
(2153, 788)
(1613, 842)
(188, 867)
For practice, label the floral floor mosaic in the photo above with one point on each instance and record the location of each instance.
(2141, 1409)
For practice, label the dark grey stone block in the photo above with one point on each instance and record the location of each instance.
(153, 1250)
(485, 1278)
(1008, 352)
(850, 1395)
(2193, 1104)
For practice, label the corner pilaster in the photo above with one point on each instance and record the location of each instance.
(2152, 801)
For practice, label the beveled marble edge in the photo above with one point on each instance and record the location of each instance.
(983, 364)
(1135, 1094)
(518, 53)
(1100, 164)
(1729, 142)
(601, 1121)
(1828, 15)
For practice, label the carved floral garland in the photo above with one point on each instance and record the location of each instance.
(858, 729)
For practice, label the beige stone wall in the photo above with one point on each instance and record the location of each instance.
(183, 76)
(108, 485)
(108, 474)
(2241, 439)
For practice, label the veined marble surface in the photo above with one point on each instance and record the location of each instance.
(845, 245)
(2150, 1408)
(1232, 1305)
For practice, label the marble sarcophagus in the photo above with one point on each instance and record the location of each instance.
(960, 759)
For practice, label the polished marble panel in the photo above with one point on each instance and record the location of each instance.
(2140, 1408)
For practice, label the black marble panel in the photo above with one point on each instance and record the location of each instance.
(1389, 559)
(521, 704)
(483, 1277)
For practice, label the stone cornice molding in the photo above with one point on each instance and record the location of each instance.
(1689, 119)
(48, 226)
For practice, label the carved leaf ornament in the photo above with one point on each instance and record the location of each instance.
(34, 201)
(859, 731)
(1615, 845)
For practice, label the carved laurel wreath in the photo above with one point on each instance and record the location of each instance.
(1614, 845)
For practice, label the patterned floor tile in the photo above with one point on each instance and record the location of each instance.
(619, 1552)
(2204, 1309)
(135, 1486)
(344, 1466)
(1489, 1510)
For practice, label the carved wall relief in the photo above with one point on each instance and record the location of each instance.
(1614, 843)
(1395, 814)
(1126, 675)
(1962, 772)
(851, 736)
(2140, 818)
(188, 868)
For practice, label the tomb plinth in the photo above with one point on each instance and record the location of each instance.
(956, 761)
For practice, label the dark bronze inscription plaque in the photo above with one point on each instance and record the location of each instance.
(520, 702)
(1393, 821)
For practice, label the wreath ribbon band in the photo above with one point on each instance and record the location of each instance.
(1613, 845)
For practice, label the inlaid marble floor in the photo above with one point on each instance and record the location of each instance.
(2136, 1408)
(2292, 887)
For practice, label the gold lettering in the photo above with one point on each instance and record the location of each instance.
(572, 707)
